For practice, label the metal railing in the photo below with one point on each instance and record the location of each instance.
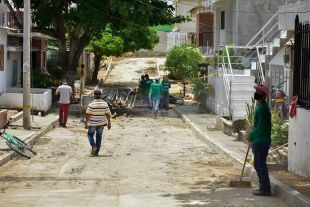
(301, 82)
(260, 36)
(261, 76)
(227, 80)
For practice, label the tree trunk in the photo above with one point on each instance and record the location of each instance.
(70, 60)
(184, 89)
(97, 60)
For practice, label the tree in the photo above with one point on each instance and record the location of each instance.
(129, 39)
(182, 62)
(105, 45)
(75, 22)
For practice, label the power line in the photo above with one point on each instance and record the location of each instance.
(272, 11)
(235, 11)
(134, 24)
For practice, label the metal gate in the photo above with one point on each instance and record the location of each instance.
(301, 85)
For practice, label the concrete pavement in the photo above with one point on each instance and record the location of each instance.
(200, 122)
(41, 125)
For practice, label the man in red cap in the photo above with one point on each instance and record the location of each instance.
(260, 136)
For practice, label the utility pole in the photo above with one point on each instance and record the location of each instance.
(26, 66)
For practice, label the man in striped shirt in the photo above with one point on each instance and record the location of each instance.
(98, 116)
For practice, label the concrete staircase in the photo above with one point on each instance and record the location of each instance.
(255, 57)
(242, 90)
(270, 49)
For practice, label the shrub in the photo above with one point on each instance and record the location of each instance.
(279, 130)
(200, 88)
(56, 72)
(41, 80)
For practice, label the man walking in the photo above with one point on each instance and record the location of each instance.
(142, 86)
(260, 136)
(98, 116)
(148, 83)
(155, 94)
(165, 93)
(65, 92)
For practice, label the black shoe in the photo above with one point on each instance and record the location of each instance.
(60, 124)
(64, 126)
(93, 151)
(260, 192)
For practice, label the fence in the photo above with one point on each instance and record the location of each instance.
(301, 86)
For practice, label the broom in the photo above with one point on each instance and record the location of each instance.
(241, 183)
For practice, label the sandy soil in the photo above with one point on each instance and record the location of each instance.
(128, 71)
(144, 163)
(298, 183)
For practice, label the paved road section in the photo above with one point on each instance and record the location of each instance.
(144, 163)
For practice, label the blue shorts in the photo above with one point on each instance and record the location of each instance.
(155, 103)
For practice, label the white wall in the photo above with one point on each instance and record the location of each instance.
(240, 27)
(176, 39)
(162, 45)
(13, 56)
(288, 14)
(217, 103)
(41, 99)
(299, 144)
(278, 60)
(182, 8)
(3, 79)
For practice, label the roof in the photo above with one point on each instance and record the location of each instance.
(35, 35)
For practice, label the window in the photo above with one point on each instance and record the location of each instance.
(222, 19)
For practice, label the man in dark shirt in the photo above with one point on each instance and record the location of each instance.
(260, 136)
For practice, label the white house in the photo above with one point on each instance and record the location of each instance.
(4, 74)
(299, 130)
(237, 21)
(183, 32)
(251, 49)
(11, 65)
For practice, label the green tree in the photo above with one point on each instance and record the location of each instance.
(105, 45)
(74, 23)
(115, 43)
(182, 62)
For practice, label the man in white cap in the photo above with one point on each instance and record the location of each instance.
(260, 136)
(155, 95)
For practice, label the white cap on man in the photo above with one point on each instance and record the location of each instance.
(157, 78)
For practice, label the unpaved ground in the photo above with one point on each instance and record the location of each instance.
(144, 162)
(298, 183)
(128, 71)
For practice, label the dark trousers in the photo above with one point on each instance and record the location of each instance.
(260, 151)
(165, 101)
(63, 113)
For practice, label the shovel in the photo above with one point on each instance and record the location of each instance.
(241, 183)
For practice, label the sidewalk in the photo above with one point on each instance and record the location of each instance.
(235, 149)
(40, 126)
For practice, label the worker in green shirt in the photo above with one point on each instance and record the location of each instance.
(148, 83)
(260, 136)
(142, 86)
(165, 93)
(155, 95)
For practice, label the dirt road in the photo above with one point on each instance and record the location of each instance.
(144, 163)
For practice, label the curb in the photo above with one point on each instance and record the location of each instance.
(286, 193)
(30, 140)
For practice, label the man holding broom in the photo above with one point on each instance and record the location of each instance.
(260, 136)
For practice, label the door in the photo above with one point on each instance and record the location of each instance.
(14, 73)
